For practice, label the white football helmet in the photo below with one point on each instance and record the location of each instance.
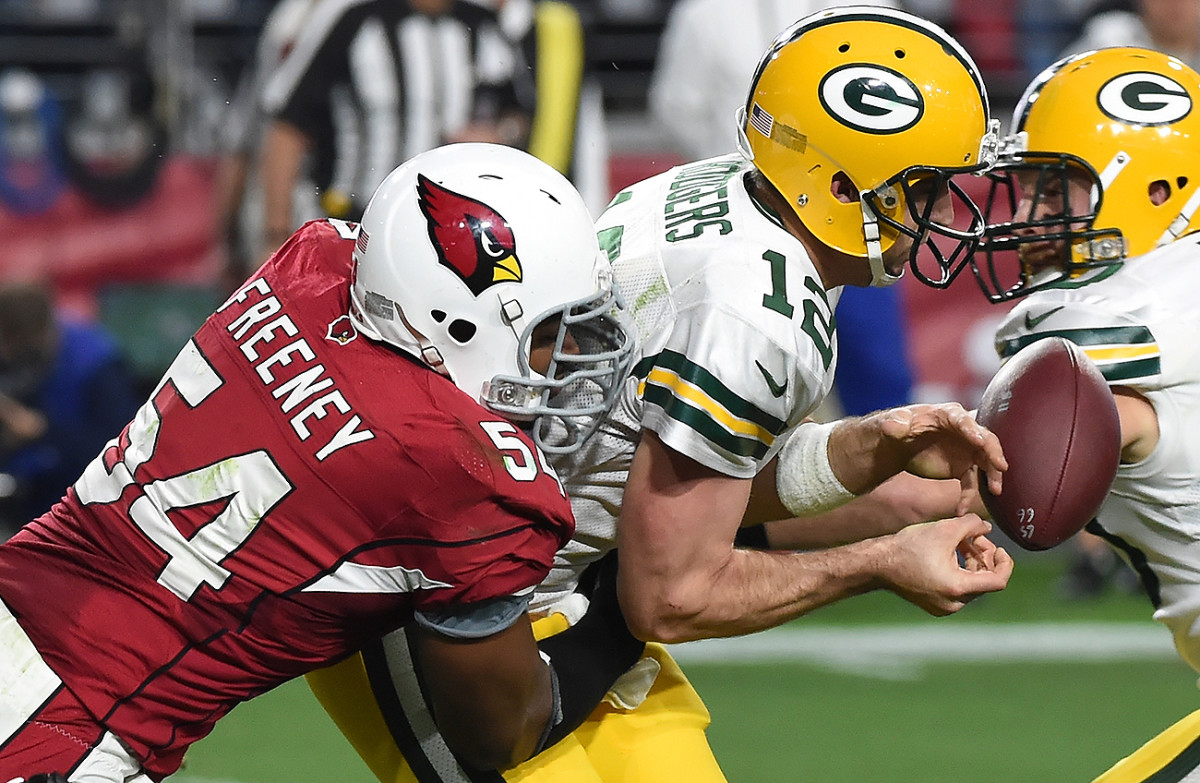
(462, 252)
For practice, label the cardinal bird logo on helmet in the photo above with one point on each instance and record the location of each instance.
(472, 239)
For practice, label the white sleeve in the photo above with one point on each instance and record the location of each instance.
(721, 394)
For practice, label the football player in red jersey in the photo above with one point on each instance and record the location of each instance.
(350, 444)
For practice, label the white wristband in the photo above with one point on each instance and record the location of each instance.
(804, 479)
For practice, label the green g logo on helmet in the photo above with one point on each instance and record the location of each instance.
(871, 99)
(1144, 98)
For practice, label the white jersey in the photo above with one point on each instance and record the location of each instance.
(737, 342)
(1141, 326)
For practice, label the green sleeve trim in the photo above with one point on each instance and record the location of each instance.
(702, 423)
(1109, 335)
(1112, 366)
(717, 391)
(1127, 371)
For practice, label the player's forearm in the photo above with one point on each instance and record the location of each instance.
(750, 592)
(902, 500)
(861, 457)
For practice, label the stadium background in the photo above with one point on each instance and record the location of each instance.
(1019, 686)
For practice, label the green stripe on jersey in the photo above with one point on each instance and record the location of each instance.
(704, 424)
(1108, 335)
(719, 392)
(1127, 371)
(1113, 336)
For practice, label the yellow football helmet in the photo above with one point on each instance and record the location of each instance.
(887, 98)
(1127, 118)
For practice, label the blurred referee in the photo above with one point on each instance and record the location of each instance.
(369, 84)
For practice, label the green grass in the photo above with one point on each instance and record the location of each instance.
(953, 722)
(281, 737)
(957, 723)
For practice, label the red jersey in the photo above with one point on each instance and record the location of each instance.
(290, 490)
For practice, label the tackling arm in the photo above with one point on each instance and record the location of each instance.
(492, 697)
(502, 698)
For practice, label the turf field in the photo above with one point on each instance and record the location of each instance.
(1019, 686)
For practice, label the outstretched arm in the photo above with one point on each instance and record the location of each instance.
(866, 463)
(940, 441)
(902, 500)
(681, 577)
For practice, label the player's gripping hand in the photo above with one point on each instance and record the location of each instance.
(941, 566)
(935, 441)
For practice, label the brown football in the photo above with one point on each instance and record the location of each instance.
(1056, 419)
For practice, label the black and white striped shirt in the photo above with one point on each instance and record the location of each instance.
(373, 82)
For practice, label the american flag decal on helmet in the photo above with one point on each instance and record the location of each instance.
(361, 242)
(761, 119)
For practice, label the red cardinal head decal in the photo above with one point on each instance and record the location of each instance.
(341, 330)
(470, 237)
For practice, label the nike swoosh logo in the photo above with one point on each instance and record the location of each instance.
(1032, 321)
(777, 389)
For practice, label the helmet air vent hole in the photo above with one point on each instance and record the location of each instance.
(462, 331)
(844, 48)
(1159, 192)
(1181, 183)
(900, 54)
(437, 315)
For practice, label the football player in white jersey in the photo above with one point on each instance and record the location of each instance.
(1102, 179)
(856, 120)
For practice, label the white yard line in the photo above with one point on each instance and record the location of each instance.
(899, 652)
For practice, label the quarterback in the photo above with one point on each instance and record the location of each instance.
(731, 267)
(1101, 180)
(331, 456)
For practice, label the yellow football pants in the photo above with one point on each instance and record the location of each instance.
(662, 741)
(1172, 755)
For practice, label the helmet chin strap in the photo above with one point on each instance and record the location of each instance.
(419, 346)
(1179, 225)
(880, 277)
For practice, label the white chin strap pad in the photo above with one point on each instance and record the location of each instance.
(880, 277)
